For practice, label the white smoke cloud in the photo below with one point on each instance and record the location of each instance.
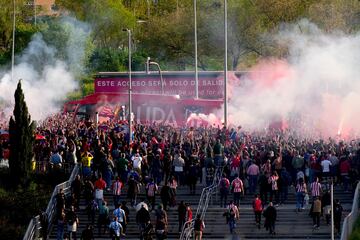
(317, 86)
(46, 80)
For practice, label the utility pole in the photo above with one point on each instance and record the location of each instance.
(130, 88)
(225, 64)
(332, 209)
(196, 54)
(13, 45)
(34, 12)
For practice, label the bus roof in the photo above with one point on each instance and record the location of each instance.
(97, 98)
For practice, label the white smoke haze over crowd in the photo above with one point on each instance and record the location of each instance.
(316, 89)
(46, 80)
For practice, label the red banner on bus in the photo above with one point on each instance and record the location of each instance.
(210, 84)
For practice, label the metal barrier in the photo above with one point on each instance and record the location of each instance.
(32, 231)
(46, 166)
(206, 194)
(351, 218)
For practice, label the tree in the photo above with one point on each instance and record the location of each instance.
(21, 130)
(23, 31)
(336, 15)
(107, 19)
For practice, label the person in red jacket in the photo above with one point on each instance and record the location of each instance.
(100, 185)
(257, 206)
(189, 213)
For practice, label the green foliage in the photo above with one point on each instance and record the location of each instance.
(28, 202)
(107, 19)
(167, 35)
(74, 95)
(23, 32)
(355, 235)
(107, 60)
(88, 88)
(21, 130)
(336, 14)
(69, 41)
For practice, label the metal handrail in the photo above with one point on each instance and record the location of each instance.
(206, 194)
(32, 231)
(350, 219)
(46, 166)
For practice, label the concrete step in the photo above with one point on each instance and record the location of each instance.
(290, 225)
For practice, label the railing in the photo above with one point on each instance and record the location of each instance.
(206, 194)
(46, 166)
(352, 216)
(32, 231)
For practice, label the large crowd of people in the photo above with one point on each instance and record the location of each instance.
(162, 157)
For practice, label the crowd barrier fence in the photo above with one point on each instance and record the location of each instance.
(33, 229)
(205, 197)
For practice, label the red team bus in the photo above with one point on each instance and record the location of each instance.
(166, 98)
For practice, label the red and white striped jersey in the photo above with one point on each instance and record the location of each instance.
(315, 189)
(237, 185)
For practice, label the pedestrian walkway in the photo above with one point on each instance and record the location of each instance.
(290, 225)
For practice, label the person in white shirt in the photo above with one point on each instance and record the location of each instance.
(325, 164)
(120, 215)
(137, 160)
(116, 229)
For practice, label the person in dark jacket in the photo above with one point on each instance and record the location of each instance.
(88, 191)
(133, 190)
(76, 186)
(60, 201)
(181, 214)
(270, 218)
(142, 219)
(338, 209)
(165, 195)
(264, 188)
(285, 182)
(192, 177)
(87, 233)
(326, 204)
(198, 227)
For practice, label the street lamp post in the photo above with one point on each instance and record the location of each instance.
(13, 45)
(148, 64)
(225, 64)
(332, 209)
(196, 54)
(148, 9)
(130, 87)
(35, 12)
